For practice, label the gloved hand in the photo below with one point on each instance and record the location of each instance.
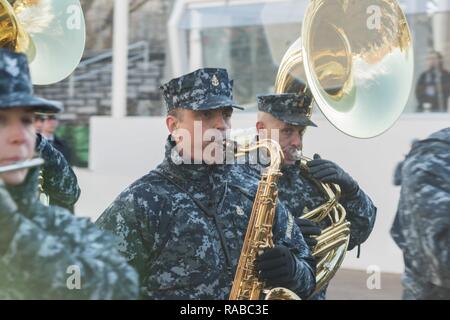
(309, 229)
(7, 204)
(276, 266)
(329, 172)
(38, 146)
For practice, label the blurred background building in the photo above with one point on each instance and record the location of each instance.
(168, 38)
(171, 37)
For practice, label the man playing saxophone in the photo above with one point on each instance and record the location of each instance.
(182, 225)
(288, 116)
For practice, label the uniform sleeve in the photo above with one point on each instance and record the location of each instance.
(425, 195)
(361, 213)
(139, 219)
(287, 233)
(60, 182)
(59, 256)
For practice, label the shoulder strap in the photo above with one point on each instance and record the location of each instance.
(205, 210)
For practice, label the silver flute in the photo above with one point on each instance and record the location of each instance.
(22, 165)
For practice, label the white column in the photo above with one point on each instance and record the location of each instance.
(440, 26)
(195, 42)
(120, 59)
(177, 40)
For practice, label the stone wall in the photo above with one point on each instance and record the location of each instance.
(92, 94)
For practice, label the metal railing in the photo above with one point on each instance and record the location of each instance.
(89, 68)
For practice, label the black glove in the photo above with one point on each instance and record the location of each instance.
(7, 204)
(329, 172)
(309, 229)
(276, 266)
(38, 146)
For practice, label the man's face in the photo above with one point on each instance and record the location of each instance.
(199, 134)
(38, 123)
(289, 137)
(17, 142)
(50, 125)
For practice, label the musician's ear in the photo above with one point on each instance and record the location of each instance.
(171, 123)
(260, 126)
(173, 119)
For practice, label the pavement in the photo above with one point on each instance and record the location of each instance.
(359, 285)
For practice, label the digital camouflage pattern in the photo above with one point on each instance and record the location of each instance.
(290, 108)
(59, 181)
(422, 225)
(39, 245)
(203, 89)
(16, 89)
(176, 247)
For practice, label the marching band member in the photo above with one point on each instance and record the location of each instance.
(182, 225)
(40, 246)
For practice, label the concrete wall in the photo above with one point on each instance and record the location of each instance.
(122, 150)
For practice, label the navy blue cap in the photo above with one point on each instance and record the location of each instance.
(291, 108)
(203, 89)
(16, 88)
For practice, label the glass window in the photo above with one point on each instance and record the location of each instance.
(249, 38)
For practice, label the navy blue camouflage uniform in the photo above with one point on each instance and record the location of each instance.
(39, 245)
(59, 181)
(182, 226)
(298, 191)
(422, 225)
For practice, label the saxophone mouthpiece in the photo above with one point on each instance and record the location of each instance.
(295, 153)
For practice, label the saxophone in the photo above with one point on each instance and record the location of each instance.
(246, 284)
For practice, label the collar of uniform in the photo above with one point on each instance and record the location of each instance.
(290, 169)
(289, 174)
(188, 172)
(26, 194)
(439, 138)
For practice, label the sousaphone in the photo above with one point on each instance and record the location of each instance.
(355, 57)
(51, 33)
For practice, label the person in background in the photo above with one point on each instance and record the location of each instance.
(433, 86)
(49, 127)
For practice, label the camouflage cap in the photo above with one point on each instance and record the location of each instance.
(203, 89)
(291, 108)
(16, 89)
